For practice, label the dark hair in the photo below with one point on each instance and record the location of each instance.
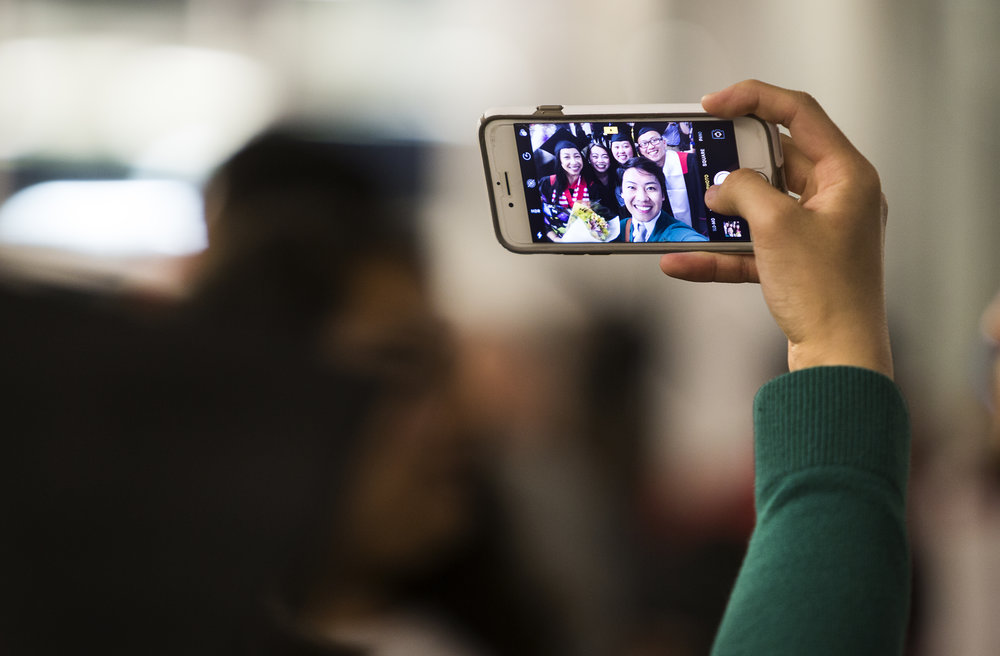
(649, 166)
(284, 240)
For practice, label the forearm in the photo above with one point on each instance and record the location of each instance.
(827, 569)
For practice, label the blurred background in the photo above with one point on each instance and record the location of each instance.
(113, 114)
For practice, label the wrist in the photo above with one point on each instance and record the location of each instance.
(867, 349)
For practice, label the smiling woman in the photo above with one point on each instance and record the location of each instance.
(569, 186)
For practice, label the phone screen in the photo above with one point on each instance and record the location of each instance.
(627, 181)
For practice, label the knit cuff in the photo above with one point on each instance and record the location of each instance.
(831, 416)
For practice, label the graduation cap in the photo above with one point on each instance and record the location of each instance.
(659, 127)
(624, 135)
(667, 130)
(564, 135)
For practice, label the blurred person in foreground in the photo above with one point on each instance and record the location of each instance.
(164, 473)
(827, 567)
(956, 520)
(415, 557)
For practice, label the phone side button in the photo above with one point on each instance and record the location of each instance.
(549, 110)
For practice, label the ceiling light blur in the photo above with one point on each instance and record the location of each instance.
(174, 109)
(106, 217)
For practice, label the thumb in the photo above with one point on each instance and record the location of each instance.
(748, 194)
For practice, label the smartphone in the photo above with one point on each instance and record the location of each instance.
(619, 179)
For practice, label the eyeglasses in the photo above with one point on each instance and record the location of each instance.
(651, 142)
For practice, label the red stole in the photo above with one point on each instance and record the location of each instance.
(572, 194)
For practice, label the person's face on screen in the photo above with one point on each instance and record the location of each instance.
(642, 194)
(571, 161)
(652, 146)
(622, 151)
(599, 159)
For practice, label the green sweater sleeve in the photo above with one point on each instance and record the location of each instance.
(827, 568)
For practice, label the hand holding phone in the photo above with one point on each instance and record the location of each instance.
(819, 259)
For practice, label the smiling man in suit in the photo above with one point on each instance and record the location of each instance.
(643, 188)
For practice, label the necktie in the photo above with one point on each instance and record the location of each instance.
(640, 232)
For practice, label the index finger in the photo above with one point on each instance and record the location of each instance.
(814, 133)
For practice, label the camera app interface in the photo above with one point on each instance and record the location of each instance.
(627, 182)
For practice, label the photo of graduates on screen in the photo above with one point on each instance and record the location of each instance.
(630, 182)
